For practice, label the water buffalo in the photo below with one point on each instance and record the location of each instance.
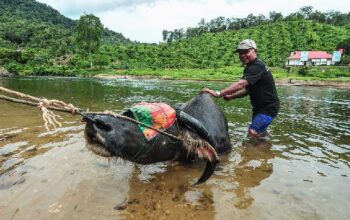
(201, 126)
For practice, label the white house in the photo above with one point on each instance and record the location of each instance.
(313, 58)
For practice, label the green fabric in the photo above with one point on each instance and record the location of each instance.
(143, 115)
(156, 115)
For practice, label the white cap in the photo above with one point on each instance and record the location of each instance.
(246, 44)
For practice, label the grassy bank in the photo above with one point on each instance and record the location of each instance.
(231, 74)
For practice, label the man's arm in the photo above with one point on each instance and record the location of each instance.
(235, 87)
(239, 94)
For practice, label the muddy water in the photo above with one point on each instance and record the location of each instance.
(302, 172)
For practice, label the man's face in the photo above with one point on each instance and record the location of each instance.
(247, 56)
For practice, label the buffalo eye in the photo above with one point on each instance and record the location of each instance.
(102, 125)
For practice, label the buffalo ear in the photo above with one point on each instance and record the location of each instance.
(199, 147)
(206, 152)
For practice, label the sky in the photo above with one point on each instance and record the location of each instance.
(144, 20)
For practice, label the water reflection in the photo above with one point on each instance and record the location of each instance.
(165, 191)
(243, 170)
(254, 167)
(23, 137)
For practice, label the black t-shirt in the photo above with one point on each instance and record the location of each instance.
(262, 89)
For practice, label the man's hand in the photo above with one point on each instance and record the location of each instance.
(229, 97)
(211, 92)
(239, 94)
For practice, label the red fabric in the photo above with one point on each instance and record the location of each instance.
(158, 115)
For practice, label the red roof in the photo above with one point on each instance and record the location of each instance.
(311, 55)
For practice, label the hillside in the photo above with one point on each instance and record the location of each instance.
(275, 42)
(36, 39)
(33, 11)
(220, 24)
(24, 23)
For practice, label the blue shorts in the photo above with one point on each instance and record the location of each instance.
(260, 123)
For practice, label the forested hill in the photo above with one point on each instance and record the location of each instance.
(33, 11)
(36, 39)
(20, 20)
(275, 42)
(220, 24)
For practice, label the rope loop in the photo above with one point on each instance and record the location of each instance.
(44, 105)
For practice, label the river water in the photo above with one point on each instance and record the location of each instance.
(302, 172)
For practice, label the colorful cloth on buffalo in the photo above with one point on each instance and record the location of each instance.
(157, 115)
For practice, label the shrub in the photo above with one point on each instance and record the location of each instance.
(303, 71)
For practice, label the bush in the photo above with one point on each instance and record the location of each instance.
(304, 71)
(14, 67)
(324, 72)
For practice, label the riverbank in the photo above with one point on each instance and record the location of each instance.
(316, 83)
(334, 76)
(5, 73)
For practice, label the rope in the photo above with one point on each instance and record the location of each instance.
(50, 118)
(43, 104)
(31, 103)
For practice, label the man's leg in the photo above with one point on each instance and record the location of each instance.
(259, 125)
(253, 133)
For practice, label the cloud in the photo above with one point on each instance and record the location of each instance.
(144, 20)
(75, 8)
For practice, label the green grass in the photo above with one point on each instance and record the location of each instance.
(227, 74)
(218, 74)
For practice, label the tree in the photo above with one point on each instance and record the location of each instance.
(203, 27)
(305, 11)
(275, 16)
(217, 24)
(318, 16)
(89, 34)
(165, 35)
(345, 44)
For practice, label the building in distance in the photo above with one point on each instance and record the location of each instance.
(314, 58)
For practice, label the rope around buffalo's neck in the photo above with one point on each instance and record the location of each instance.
(50, 118)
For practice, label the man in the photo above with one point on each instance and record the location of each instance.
(258, 83)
